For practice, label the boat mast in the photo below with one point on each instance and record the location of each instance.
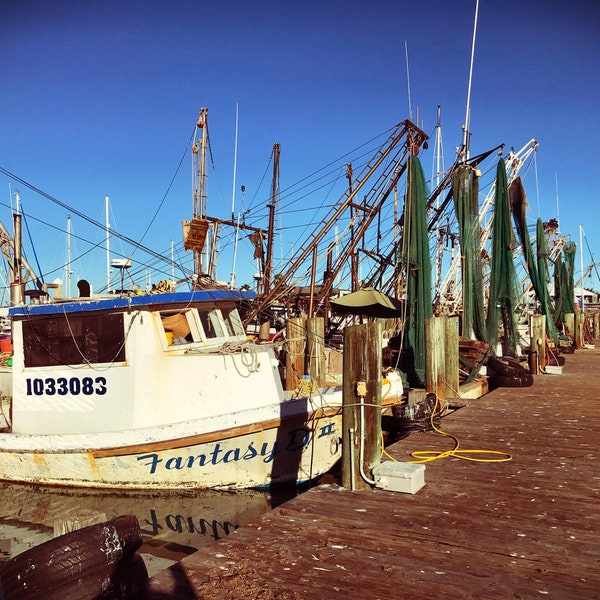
(581, 266)
(68, 272)
(17, 295)
(556, 187)
(438, 155)
(235, 148)
(232, 283)
(106, 201)
(196, 230)
(438, 167)
(467, 125)
(199, 207)
(11, 247)
(272, 207)
(353, 209)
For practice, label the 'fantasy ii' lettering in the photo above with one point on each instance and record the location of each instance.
(298, 439)
(215, 457)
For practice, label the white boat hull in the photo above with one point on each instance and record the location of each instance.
(293, 449)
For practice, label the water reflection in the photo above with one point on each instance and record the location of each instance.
(174, 524)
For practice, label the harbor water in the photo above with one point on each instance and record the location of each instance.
(174, 524)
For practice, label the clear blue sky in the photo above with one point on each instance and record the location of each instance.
(101, 98)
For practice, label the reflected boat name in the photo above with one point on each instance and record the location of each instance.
(180, 524)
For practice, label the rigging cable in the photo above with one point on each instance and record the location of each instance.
(168, 188)
(84, 217)
(37, 262)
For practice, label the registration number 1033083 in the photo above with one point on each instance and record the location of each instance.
(63, 386)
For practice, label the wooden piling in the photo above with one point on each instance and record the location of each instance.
(570, 324)
(362, 365)
(315, 350)
(579, 336)
(537, 347)
(296, 342)
(452, 358)
(435, 356)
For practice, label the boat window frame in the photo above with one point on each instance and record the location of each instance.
(208, 326)
(233, 323)
(195, 328)
(87, 336)
(214, 319)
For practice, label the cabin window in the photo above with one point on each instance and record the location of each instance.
(73, 340)
(180, 327)
(211, 323)
(202, 325)
(233, 322)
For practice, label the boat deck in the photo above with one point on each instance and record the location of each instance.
(527, 528)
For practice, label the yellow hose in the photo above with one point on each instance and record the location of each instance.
(425, 456)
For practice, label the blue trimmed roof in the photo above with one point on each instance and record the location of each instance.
(126, 302)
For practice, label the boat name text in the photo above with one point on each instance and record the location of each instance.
(63, 386)
(299, 438)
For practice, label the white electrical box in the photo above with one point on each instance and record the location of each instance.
(399, 476)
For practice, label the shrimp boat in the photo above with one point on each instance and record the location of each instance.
(155, 390)
(159, 390)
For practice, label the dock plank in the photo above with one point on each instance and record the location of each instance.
(527, 528)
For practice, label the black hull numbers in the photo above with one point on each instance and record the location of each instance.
(61, 386)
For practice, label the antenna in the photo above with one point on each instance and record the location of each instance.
(537, 185)
(68, 270)
(232, 283)
(438, 155)
(556, 185)
(408, 80)
(466, 134)
(234, 163)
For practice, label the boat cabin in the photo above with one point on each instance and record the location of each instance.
(121, 363)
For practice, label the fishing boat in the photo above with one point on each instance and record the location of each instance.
(159, 390)
(155, 390)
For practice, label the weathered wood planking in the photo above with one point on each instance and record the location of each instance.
(528, 528)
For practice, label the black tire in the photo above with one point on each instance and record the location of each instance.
(75, 566)
(506, 366)
(496, 381)
(556, 361)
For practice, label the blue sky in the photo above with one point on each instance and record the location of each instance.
(101, 98)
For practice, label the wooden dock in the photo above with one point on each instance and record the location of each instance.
(527, 528)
